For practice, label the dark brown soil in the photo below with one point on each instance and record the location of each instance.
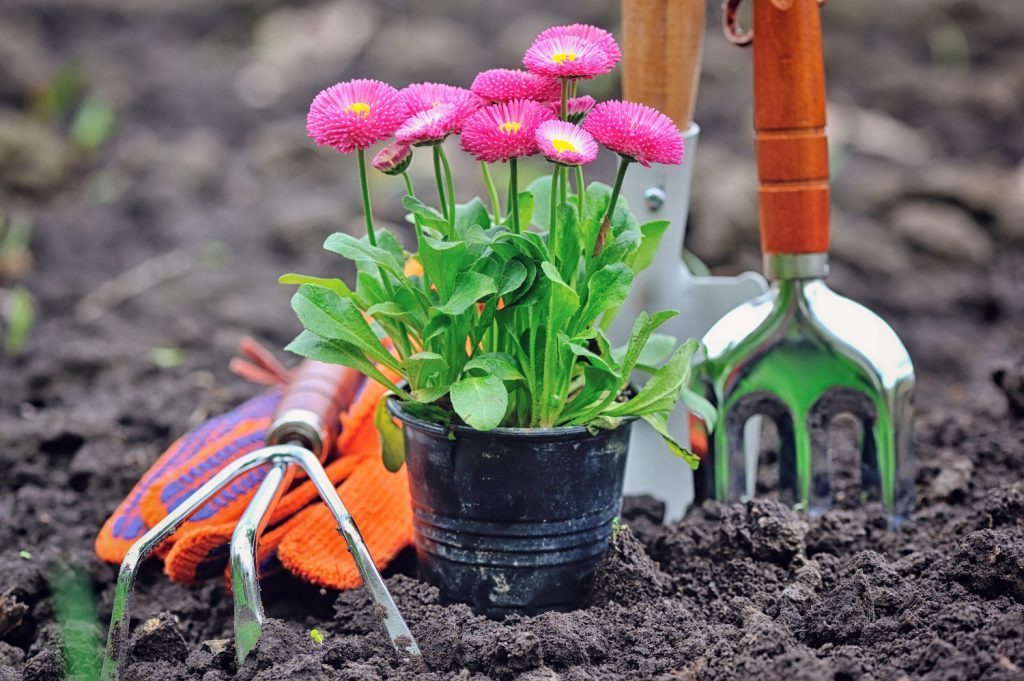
(208, 188)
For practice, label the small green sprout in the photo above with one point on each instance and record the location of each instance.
(318, 638)
(616, 526)
(166, 358)
(24, 555)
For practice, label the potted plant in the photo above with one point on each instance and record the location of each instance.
(514, 408)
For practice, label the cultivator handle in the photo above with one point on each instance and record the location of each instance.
(789, 117)
(308, 411)
(661, 45)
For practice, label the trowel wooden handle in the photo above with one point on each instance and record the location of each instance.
(661, 48)
(789, 117)
(308, 412)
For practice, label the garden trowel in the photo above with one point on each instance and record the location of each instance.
(661, 42)
(801, 354)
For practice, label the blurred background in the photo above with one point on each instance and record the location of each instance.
(156, 179)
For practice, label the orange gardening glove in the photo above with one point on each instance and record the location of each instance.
(199, 547)
(304, 538)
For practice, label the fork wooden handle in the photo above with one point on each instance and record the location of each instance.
(789, 118)
(309, 410)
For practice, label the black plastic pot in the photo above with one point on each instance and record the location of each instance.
(512, 520)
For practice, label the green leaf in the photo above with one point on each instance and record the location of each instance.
(659, 421)
(597, 199)
(513, 275)
(581, 350)
(498, 364)
(644, 255)
(472, 214)
(643, 327)
(428, 216)
(428, 412)
(421, 367)
(606, 290)
(661, 392)
(336, 285)
(525, 207)
(329, 316)
(442, 262)
(540, 191)
(658, 348)
(700, 406)
(469, 288)
(308, 344)
(392, 441)
(352, 248)
(480, 401)
(569, 247)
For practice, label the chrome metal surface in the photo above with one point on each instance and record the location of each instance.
(276, 455)
(669, 285)
(245, 578)
(298, 424)
(801, 354)
(795, 265)
(654, 198)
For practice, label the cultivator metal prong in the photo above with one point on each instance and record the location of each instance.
(280, 457)
(801, 355)
(245, 583)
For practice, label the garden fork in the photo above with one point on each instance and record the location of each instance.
(304, 426)
(800, 354)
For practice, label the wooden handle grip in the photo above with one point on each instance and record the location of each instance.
(315, 397)
(789, 117)
(661, 47)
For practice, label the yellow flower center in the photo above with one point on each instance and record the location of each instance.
(362, 109)
(563, 57)
(509, 127)
(562, 145)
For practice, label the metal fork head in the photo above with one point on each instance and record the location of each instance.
(248, 607)
(801, 355)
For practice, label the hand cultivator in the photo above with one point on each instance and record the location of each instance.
(662, 42)
(301, 432)
(801, 354)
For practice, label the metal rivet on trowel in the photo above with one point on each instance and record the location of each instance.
(654, 198)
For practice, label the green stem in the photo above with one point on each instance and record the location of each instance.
(513, 194)
(419, 228)
(440, 182)
(367, 207)
(606, 223)
(581, 192)
(564, 110)
(450, 184)
(492, 190)
(553, 224)
(572, 88)
(412, 192)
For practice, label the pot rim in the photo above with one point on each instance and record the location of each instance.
(394, 405)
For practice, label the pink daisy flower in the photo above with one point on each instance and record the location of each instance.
(423, 96)
(576, 108)
(592, 34)
(566, 143)
(636, 131)
(504, 85)
(430, 126)
(355, 114)
(393, 159)
(505, 130)
(566, 57)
